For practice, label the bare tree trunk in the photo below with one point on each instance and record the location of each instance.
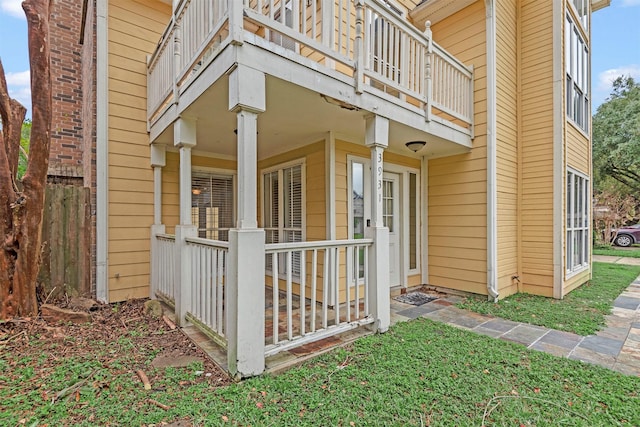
(21, 211)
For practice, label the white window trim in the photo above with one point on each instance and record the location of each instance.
(569, 207)
(576, 15)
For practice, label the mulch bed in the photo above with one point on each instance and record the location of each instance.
(110, 323)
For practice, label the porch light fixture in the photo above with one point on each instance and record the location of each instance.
(415, 146)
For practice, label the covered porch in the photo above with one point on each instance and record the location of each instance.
(274, 116)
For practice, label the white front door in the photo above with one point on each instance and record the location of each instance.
(391, 219)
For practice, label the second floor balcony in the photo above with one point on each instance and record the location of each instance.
(362, 45)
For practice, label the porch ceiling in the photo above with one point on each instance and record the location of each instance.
(294, 117)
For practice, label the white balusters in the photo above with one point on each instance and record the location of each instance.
(208, 274)
(338, 304)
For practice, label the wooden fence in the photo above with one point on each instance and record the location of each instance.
(66, 237)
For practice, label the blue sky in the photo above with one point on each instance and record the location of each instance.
(615, 48)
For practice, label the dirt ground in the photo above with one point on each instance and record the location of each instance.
(110, 323)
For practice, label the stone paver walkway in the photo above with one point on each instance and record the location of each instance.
(616, 347)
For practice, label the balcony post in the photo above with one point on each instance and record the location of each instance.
(236, 21)
(176, 62)
(428, 81)
(158, 161)
(377, 139)
(184, 137)
(359, 45)
(245, 296)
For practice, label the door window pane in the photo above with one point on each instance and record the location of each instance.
(413, 222)
(357, 199)
(387, 205)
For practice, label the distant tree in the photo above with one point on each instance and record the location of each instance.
(616, 136)
(613, 208)
(21, 206)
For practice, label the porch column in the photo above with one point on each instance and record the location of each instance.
(377, 139)
(184, 137)
(246, 285)
(158, 161)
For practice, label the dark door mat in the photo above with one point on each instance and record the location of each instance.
(414, 298)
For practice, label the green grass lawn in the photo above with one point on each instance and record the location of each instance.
(420, 373)
(582, 311)
(615, 251)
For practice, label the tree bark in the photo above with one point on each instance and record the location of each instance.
(22, 211)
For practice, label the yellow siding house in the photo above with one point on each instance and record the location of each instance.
(275, 170)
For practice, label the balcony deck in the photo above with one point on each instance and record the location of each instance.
(358, 55)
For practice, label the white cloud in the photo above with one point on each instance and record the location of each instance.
(12, 7)
(630, 3)
(20, 87)
(606, 78)
(18, 79)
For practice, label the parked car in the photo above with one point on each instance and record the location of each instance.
(627, 236)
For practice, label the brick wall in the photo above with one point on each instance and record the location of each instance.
(65, 160)
(73, 60)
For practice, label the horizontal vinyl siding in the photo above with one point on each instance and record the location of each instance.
(578, 150)
(134, 29)
(576, 281)
(537, 147)
(507, 145)
(457, 197)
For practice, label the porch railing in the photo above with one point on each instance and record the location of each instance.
(164, 264)
(208, 274)
(318, 289)
(363, 39)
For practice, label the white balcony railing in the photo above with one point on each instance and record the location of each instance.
(363, 39)
(318, 289)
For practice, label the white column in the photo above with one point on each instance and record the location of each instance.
(158, 161)
(184, 136)
(377, 139)
(245, 296)
(247, 169)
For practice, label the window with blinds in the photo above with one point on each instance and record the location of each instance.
(283, 210)
(212, 205)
